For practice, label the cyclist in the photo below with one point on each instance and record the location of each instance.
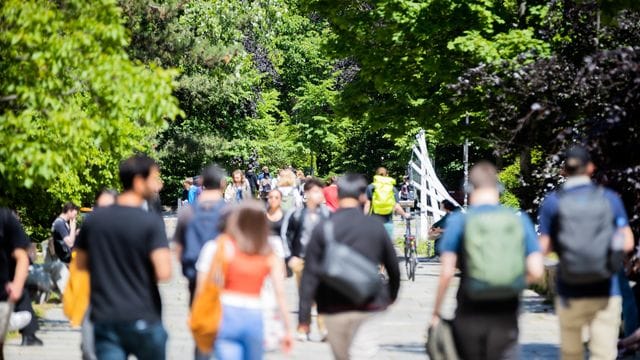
(382, 199)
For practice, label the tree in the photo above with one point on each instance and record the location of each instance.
(72, 103)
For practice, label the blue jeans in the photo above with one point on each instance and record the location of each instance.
(389, 227)
(241, 335)
(629, 308)
(118, 340)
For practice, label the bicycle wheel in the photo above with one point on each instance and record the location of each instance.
(413, 264)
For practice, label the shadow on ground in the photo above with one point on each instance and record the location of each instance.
(413, 348)
(535, 351)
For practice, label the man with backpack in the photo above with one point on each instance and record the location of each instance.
(264, 183)
(587, 226)
(499, 254)
(382, 199)
(296, 233)
(200, 223)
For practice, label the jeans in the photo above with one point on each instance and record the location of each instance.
(118, 340)
(629, 309)
(241, 335)
(389, 227)
(87, 345)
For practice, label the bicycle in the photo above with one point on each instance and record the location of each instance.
(410, 251)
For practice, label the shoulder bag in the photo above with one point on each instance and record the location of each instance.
(347, 271)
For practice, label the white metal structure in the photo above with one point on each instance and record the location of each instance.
(424, 179)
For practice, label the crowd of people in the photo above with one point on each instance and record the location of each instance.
(239, 238)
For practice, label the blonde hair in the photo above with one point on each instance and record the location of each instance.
(247, 224)
(237, 172)
(286, 178)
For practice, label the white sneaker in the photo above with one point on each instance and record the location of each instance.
(19, 320)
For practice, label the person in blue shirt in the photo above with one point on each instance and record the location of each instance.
(597, 304)
(483, 329)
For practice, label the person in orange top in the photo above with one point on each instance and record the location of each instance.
(76, 295)
(250, 260)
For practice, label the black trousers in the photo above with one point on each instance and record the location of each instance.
(24, 304)
(486, 336)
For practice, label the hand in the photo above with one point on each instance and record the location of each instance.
(72, 225)
(435, 320)
(287, 343)
(407, 216)
(295, 263)
(14, 291)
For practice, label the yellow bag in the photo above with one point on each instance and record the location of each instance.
(76, 295)
(206, 311)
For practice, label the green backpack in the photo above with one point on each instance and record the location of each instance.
(384, 198)
(494, 255)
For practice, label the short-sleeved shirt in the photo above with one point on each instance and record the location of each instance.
(452, 241)
(119, 241)
(12, 237)
(385, 218)
(548, 215)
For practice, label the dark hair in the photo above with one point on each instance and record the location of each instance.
(103, 192)
(311, 183)
(248, 225)
(69, 206)
(137, 165)
(351, 186)
(212, 177)
(483, 175)
(448, 205)
(576, 160)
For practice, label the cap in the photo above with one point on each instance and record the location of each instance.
(576, 157)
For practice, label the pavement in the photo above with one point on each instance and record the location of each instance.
(401, 329)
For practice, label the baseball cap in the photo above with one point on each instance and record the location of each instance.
(576, 157)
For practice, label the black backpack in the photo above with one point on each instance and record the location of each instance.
(583, 237)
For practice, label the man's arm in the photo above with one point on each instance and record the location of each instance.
(545, 244)
(15, 287)
(447, 271)
(535, 267)
(161, 260)
(628, 238)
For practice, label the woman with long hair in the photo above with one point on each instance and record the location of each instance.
(291, 197)
(249, 261)
(239, 188)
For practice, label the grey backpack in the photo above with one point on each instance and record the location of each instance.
(585, 229)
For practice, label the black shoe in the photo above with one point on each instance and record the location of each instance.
(31, 340)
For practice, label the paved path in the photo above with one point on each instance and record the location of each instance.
(401, 329)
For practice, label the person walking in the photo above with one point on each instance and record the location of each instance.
(273, 329)
(347, 322)
(249, 261)
(77, 293)
(498, 254)
(126, 252)
(296, 233)
(239, 189)
(587, 226)
(14, 268)
(382, 199)
(200, 223)
(331, 194)
(291, 198)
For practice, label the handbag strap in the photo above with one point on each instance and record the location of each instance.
(219, 263)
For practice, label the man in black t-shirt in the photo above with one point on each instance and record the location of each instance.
(126, 252)
(14, 267)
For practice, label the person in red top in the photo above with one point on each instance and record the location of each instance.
(250, 259)
(331, 194)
